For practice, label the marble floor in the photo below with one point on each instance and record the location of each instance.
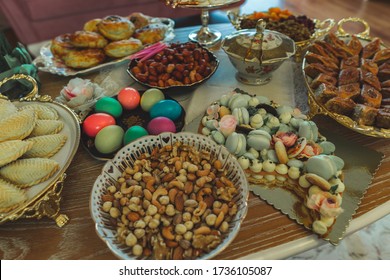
(370, 243)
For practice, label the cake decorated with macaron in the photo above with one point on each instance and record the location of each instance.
(278, 146)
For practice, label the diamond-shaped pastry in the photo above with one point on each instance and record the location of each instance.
(6, 108)
(45, 146)
(30, 171)
(45, 127)
(12, 150)
(43, 112)
(18, 125)
(10, 196)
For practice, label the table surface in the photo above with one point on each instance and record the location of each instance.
(265, 232)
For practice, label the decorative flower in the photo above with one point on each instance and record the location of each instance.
(227, 125)
(212, 111)
(288, 138)
(325, 203)
(311, 149)
(80, 94)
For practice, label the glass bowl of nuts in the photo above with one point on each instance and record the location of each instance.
(176, 66)
(170, 196)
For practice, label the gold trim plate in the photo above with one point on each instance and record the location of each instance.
(43, 200)
(316, 108)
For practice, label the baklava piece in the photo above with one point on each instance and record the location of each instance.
(364, 115)
(371, 79)
(369, 65)
(315, 58)
(352, 61)
(323, 79)
(384, 75)
(371, 48)
(314, 69)
(370, 96)
(340, 105)
(318, 49)
(349, 76)
(324, 92)
(383, 56)
(383, 118)
(349, 91)
(354, 45)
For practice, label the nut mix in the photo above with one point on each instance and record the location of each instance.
(175, 203)
(179, 64)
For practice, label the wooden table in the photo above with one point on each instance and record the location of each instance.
(265, 231)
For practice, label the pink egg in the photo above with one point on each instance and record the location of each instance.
(161, 124)
(96, 122)
(129, 98)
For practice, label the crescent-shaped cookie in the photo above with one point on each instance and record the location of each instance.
(12, 150)
(30, 171)
(45, 146)
(45, 127)
(6, 108)
(18, 125)
(10, 196)
(43, 112)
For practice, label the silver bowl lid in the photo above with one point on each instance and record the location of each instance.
(260, 44)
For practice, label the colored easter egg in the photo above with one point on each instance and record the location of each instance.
(151, 97)
(109, 139)
(95, 122)
(129, 98)
(161, 124)
(133, 133)
(166, 108)
(110, 106)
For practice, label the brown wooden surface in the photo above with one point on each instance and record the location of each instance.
(263, 228)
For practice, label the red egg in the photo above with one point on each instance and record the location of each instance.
(95, 122)
(161, 124)
(129, 98)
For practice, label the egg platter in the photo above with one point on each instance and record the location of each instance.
(138, 119)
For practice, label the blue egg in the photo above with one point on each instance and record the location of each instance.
(166, 108)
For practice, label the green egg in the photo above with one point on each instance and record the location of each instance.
(133, 133)
(110, 106)
(109, 139)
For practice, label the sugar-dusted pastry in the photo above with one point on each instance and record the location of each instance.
(12, 150)
(139, 20)
(371, 48)
(87, 39)
(45, 127)
(116, 28)
(10, 196)
(84, 58)
(122, 48)
(364, 115)
(30, 171)
(18, 125)
(151, 33)
(43, 112)
(7, 108)
(45, 146)
(91, 25)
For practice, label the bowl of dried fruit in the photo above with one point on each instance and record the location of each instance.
(177, 65)
(170, 196)
(302, 29)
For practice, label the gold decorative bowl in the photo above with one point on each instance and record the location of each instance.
(322, 27)
(317, 108)
(43, 199)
